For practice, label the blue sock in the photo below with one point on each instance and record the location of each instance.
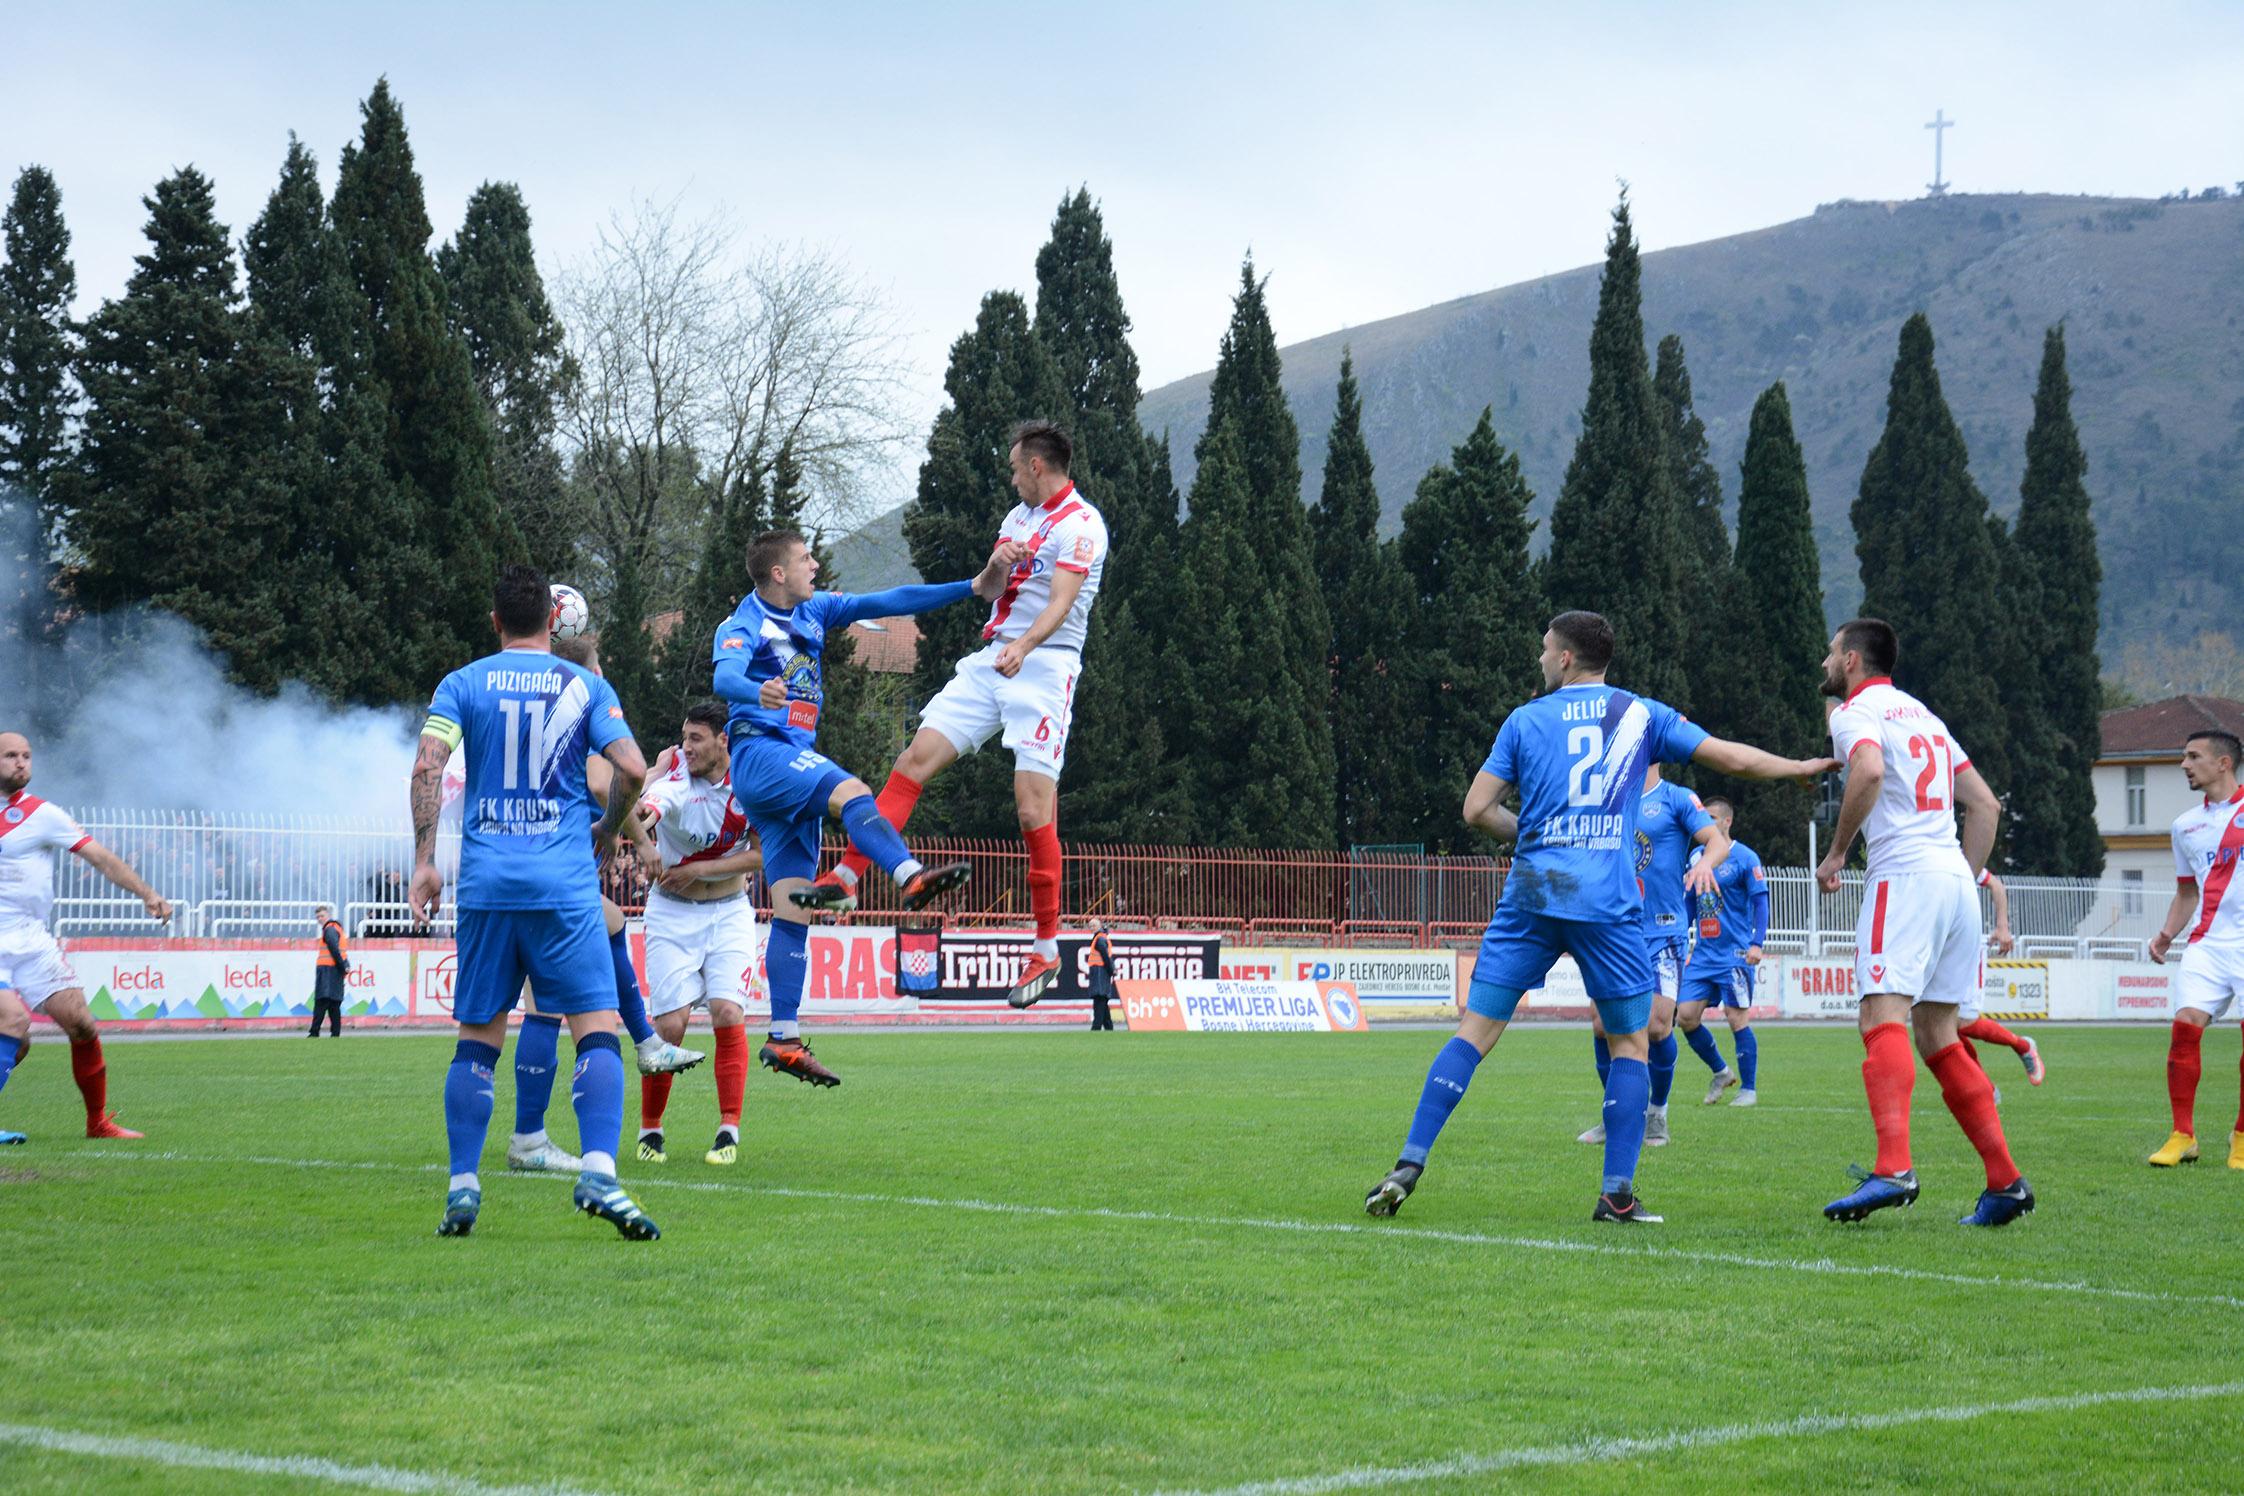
(537, 1049)
(1604, 1058)
(597, 1090)
(467, 1102)
(1703, 1045)
(629, 1003)
(1446, 1080)
(1626, 1095)
(1664, 1054)
(871, 834)
(11, 1050)
(1749, 1055)
(786, 965)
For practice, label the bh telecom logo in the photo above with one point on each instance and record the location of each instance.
(1341, 1006)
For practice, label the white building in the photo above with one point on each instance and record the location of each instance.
(2140, 789)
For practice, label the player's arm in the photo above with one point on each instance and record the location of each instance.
(623, 793)
(747, 856)
(1714, 851)
(1485, 810)
(1066, 584)
(2178, 912)
(119, 872)
(846, 608)
(1866, 774)
(1744, 761)
(1981, 813)
(438, 739)
(2000, 938)
(1757, 908)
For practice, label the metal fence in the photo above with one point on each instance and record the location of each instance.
(243, 875)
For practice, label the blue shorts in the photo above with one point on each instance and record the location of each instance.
(1724, 987)
(1666, 953)
(1521, 947)
(784, 790)
(563, 952)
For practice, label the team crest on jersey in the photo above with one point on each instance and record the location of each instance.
(15, 815)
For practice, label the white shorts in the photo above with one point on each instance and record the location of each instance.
(1919, 936)
(1034, 707)
(33, 966)
(699, 953)
(2211, 979)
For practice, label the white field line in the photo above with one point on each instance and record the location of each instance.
(294, 1466)
(1413, 1235)
(1589, 1451)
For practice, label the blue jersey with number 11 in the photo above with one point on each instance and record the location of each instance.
(1578, 756)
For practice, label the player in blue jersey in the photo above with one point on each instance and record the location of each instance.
(529, 898)
(767, 657)
(1577, 755)
(1730, 924)
(1671, 826)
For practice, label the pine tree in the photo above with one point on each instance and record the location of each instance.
(1929, 564)
(37, 344)
(1617, 532)
(1777, 636)
(1480, 619)
(1705, 553)
(2053, 800)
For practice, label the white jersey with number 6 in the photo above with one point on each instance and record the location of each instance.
(1912, 825)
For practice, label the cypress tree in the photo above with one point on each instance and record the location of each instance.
(1617, 533)
(2053, 799)
(719, 581)
(1929, 563)
(37, 344)
(1705, 556)
(1480, 617)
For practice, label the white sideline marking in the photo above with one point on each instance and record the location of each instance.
(1588, 1451)
(1820, 1266)
(294, 1466)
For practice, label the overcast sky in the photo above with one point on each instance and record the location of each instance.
(1375, 158)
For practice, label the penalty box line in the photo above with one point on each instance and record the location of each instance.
(1417, 1235)
(291, 1467)
(1595, 1451)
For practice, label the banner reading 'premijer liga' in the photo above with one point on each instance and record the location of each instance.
(1242, 1007)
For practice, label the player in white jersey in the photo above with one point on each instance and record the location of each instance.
(694, 841)
(1022, 681)
(2208, 841)
(1917, 942)
(35, 976)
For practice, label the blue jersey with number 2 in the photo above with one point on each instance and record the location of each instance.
(1667, 827)
(1578, 756)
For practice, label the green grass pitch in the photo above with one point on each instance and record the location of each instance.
(1066, 1262)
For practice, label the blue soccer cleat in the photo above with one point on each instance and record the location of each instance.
(1876, 1192)
(460, 1209)
(2001, 1207)
(599, 1195)
(11, 1139)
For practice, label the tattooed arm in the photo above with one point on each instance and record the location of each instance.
(428, 802)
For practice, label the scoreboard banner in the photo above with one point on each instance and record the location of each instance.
(1221, 1007)
(980, 966)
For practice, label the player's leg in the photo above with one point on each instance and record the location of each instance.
(654, 1090)
(958, 721)
(1603, 1058)
(537, 1054)
(728, 1024)
(790, 858)
(848, 801)
(570, 964)
(1889, 1075)
(2029, 1053)
(927, 755)
(66, 1007)
(484, 991)
(1700, 988)
(655, 1054)
(728, 976)
(15, 1043)
(1951, 995)
(1622, 982)
(2203, 998)
(2236, 1136)
(1038, 708)
(1737, 1010)
(674, 938)
(1660, 1038)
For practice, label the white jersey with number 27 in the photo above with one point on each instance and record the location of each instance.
(1912, 826)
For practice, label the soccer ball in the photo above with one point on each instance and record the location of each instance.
(572, 616)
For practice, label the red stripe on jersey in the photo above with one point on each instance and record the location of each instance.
(22, 806)
(1875, 680)
(1027, 568)
(728, 836)
(1878, 921)
(2218, 875)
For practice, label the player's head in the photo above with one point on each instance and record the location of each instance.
(1863, 649)
(781, 567)
(1576, 646)
(582, 650)
(702, 739)
(15, 762)
(2206, 757)
(1722, 811)
(522, 605)
(1041, 453)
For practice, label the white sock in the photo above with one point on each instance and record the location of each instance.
(649, 1044)
(600, 1163)
(529, 1140)
(465, 1182)
(788, 1029)
(844, 875)
(1048, 949)
(649, 1132)
(906, 870)
(1658, 1110)
(727, 1135)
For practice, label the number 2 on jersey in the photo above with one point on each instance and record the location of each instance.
(1583, 787)
(1938, 771)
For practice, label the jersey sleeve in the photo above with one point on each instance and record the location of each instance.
(606, 716)
(1695, 818)
(1078, 545)
(58, 829)
(1673, 737)
(735, 641)
(1503, 755)
(2185, 871)
(1849, 729)
(447, 720)
(1756, 899)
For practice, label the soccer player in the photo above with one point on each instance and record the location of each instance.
(1917, 941)
(1733, 920)
(32, 965)
(701, 928)
(1578, 755)
(1023, 680)
(2208, 838)
(768, 667)
(1670, 823)
(529, 898)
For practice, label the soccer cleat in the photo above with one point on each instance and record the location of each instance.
(1035, 981)
(1625, 1209)
(544, 1158)
(1594, 1135)
(2001, 1207)
(793, 1057)
(650, 1148)
(1655, 1127)
(2036, 1071)
(658, 1056)
(11, 1139)
(931, 883)
(725, 1151)
(106, 1126)
(2235, 1148)
(1746, 1098)
(1723, 1080)
(831, 879)
(1876, 1192)
(1388, 1195)
(2181, 1148)
(460, 1208)
(599, 1195)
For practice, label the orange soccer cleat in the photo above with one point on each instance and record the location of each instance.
(106, 1126)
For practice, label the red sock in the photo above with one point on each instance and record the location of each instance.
(895, 803)
(1971, 1050)
(1992, 1032)
(92, 1075)
(1971, 1098)
(731, 1066)
(2183, 1066)
(1889, 1074)
(1044, 879)
(2240, 1094)
(654, 1100)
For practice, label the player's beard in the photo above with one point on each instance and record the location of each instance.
(1834, 684)
(10, 784)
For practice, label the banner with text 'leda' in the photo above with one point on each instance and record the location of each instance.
(1241, 1007)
